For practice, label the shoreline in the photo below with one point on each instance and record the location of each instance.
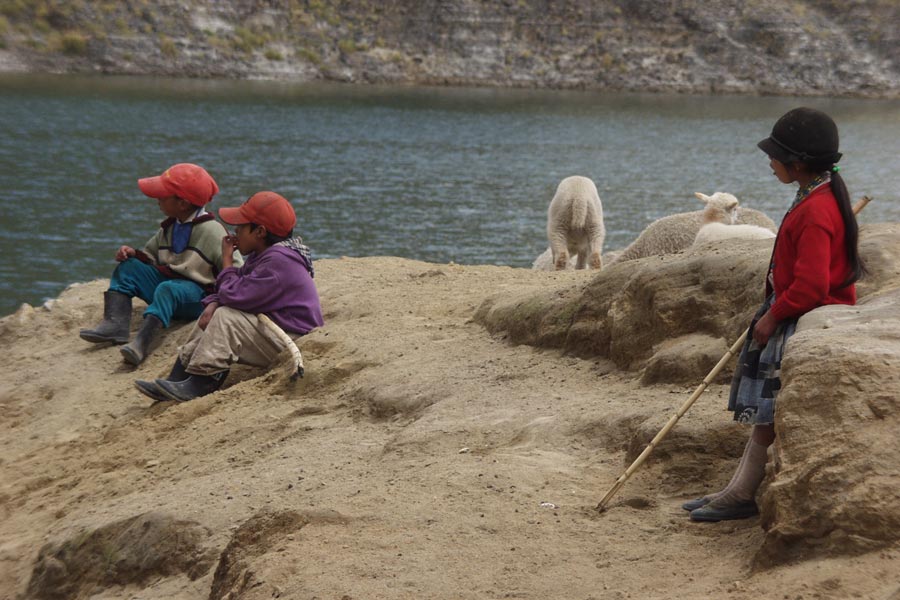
(474, 84)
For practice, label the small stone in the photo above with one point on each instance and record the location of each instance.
(151, 463)
(465, 450)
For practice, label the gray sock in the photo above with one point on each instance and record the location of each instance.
(747, 479)
(737, 471)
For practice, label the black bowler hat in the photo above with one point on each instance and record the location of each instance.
(803, 135)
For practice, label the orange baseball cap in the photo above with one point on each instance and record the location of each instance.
(268, 209)
(186, 180)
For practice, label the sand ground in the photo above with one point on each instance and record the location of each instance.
(429, 458)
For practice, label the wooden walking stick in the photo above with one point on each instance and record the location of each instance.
(689, 402)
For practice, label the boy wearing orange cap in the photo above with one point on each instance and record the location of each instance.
(173, 272)
(276, 279)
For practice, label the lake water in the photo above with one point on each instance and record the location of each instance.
(435, 174)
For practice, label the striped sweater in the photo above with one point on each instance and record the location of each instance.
(200, 262)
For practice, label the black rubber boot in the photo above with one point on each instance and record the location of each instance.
(143, 343)
(149, 388)
(192, 387)
(116, 323)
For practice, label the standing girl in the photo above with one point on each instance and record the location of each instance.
(815, 262)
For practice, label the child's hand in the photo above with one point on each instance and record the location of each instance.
(229, 243)
(207, 315)
(764, 329)
(125, 252)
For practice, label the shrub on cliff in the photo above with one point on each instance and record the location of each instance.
(73, 43)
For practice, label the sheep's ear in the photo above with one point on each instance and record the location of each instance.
(703, 197)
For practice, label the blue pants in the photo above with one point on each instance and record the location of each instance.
(166, 298)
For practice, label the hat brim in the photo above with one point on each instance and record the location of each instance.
(775, 151)
(154, 187)
(233, 216)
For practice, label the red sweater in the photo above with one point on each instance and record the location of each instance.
(810, 260)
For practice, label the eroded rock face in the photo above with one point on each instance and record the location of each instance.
(126, 552)
(635, 312)
(836, 488)
(246, 554)
(678, 45)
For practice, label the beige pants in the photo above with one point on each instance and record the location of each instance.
(232, 336)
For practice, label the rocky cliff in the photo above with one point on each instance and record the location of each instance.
(756, 46)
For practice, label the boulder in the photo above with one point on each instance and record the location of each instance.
(836, 486)
(679, 359)
(633, 310)
(126, 552)
(243, 569)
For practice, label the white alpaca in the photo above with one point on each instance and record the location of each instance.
(675, 233)
(712, 232)
(575, 224)
(717, 225)
(544, 262)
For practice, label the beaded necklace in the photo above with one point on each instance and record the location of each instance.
(805, 190)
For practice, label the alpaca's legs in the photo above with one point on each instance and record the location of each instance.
(596, 250)
(581, 261)
(560, 251)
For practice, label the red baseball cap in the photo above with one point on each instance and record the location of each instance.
(186, 180)
(268, 209)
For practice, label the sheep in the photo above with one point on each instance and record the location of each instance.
(575, 224)
(714, 231)
(675, 233)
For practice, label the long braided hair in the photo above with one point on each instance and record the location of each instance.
(851, 227)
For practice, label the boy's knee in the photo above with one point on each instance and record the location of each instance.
(179, 291)
(129, 266)
(166, 289)
(223, 314)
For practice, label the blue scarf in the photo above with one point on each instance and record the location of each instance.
(181, 233)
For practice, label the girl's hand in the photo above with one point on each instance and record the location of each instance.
(764, 329)
(124, 253)
(229, 243)
(207, 315)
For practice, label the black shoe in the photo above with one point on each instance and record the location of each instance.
(696, 503)
(116, 323)
(144, 342)
(729, 512)
(192, 387)
(149, 388)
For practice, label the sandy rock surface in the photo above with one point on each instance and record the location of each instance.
(422, 456)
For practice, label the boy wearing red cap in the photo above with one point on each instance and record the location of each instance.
(276, 279)
(173, 272)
